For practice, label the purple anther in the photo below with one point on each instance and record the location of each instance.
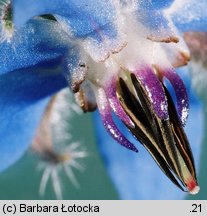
(105, 111)
(154, 90)
(115, 105)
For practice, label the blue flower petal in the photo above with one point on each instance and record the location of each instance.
(84, 17)
(32, 65)
(190, 15)
(94, 21)
(24, 95)
(155, 4)
(158, 25)
(38, 41)
(137, 176)
(156, 22)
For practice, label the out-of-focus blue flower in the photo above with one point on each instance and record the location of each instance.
(88, 45)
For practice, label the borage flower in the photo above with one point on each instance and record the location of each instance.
(115, 55)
